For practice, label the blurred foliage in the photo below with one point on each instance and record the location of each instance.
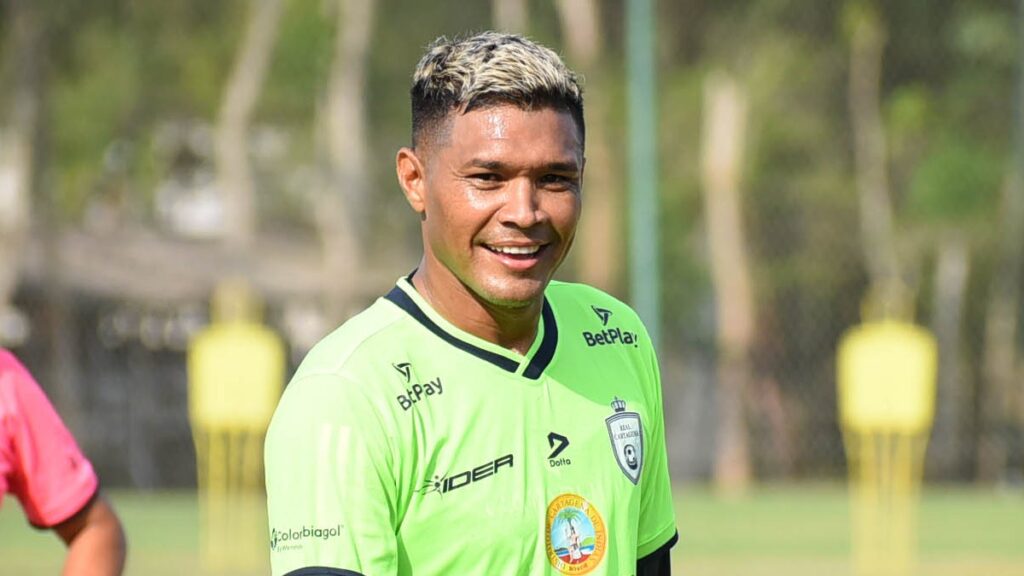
(120, 67)
(956, 184)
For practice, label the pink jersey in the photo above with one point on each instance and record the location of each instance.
(40, 462)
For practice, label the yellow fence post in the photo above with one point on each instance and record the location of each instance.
(886, 377)
(236, 369)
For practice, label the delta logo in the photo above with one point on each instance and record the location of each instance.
(609, 336)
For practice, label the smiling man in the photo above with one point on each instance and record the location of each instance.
(480, 418)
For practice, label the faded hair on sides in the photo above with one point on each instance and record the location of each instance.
(489, 69)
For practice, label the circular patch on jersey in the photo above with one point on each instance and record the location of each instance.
(574, 535)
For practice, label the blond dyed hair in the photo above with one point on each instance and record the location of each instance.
(489, 69)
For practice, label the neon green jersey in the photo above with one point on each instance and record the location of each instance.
(404, 445)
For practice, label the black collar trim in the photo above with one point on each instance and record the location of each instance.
(540, 360)
(546, 351)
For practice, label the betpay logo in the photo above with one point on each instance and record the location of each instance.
(405, 369)
(603, 313)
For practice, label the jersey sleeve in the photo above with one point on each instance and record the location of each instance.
(48, 473)
(657, 529)
(331, 490)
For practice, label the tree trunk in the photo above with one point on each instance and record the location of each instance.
(877, 235)
(234, 175)
(725, 120)
(342, 206)
(1000, 354)
(951, 273)
(17, 160)
(510, 15)
(598, 251)
(24, 147)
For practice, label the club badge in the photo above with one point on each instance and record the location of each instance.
(575, 535)
(627, 436)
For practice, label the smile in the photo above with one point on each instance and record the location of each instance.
(515, 250)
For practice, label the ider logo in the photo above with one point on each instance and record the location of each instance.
(446, 484)
(416, 392)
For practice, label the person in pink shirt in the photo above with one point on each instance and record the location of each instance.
(42, 466)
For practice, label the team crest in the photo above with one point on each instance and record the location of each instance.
(627, 436)
(574, 535)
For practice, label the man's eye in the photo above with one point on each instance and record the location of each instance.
(557, 180)
(485, 177)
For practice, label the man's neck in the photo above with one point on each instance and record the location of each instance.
(514, 328)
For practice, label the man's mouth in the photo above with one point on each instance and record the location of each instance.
(515, 250)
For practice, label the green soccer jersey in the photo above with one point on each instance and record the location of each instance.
(404, 445)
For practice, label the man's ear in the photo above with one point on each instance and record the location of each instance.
(412, 178)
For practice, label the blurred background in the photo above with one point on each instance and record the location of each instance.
(800, 152)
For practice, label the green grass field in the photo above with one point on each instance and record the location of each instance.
(790, 530)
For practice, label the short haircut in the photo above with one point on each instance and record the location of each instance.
(490, 69)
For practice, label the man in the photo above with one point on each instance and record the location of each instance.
(477, 419)
(42, 466)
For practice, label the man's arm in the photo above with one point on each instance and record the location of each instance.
(53, 480)
(657, 532)
(331, 492)
(95, 541)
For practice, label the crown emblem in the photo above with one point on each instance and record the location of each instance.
(619, 405)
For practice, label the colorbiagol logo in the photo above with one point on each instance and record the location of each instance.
(290, 539)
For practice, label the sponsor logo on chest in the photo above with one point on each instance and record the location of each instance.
(451, 482)
(416, 392)
(558, 444)
(609, 336)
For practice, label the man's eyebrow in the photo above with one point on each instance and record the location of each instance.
(498, 165)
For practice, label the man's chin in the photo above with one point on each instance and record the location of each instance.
(520, 294)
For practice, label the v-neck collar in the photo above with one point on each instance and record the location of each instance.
(530, 366)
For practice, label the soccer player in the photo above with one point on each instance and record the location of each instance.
(42, 466)
(480, 418)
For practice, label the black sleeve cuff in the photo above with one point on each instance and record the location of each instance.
(322, 571)
(659, 562)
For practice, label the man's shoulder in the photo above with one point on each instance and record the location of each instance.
(575, 301)
(359, 337)
(345, 368)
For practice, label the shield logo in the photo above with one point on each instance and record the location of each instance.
(627, 436)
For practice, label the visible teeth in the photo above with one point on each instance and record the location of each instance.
(516, 249)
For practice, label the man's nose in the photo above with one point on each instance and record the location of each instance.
(522, 206)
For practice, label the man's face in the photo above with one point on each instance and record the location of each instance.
(499, 197)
